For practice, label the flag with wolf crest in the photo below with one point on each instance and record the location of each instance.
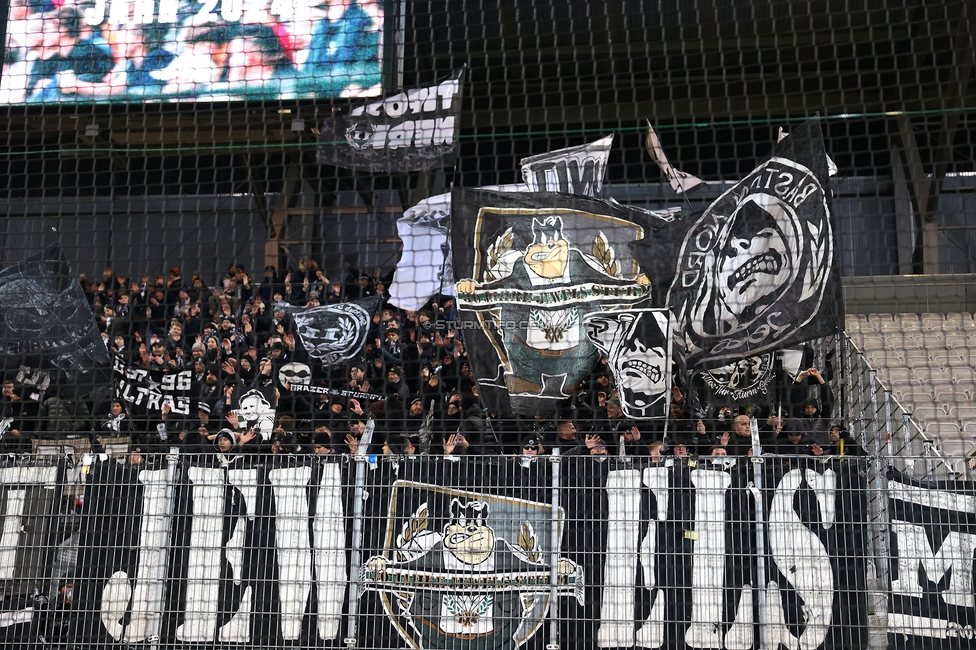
(469, 570)
(333, 333)
(758, 270)
(529, 268)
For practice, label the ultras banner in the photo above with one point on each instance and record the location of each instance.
(473, 553)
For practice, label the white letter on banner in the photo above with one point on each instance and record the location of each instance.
(651, 633)
(203, 558)
(708, 559)
(620, 570)
(955, 554)
(447, 90)
(401, 135)
(444, 131)
(802, 559)
(16, 479)
(293, 548)
(147, 595)
(238, 628)
(329, 534)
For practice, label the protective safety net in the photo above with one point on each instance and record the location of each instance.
(475, 324)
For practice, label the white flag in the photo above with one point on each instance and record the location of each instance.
(680, 181)
(574, 170)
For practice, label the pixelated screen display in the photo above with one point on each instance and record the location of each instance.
(108, 51)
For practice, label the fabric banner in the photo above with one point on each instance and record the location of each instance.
(45, 320)
(932, 542)
(425, 268)
(680, 182)
(333, 333)
(29, 499)
(758, 270)
(573, 170)
(415, 130)
(643, 555)
(746, 381)
(637, 345)
(529, 267)
(256, 408)
(147, 391)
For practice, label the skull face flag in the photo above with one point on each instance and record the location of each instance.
(333, 333)
(758, 271)
(530, 268)
(635, 343)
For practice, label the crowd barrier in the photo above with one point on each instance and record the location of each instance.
(180, 551)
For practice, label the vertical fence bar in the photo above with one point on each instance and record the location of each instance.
(554, 548)
(757, 481)
(359, 499)
(878, 513)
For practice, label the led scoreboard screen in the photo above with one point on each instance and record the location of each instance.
(117, 51)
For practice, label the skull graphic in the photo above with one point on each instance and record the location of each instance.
(295, 374)
(635, 342)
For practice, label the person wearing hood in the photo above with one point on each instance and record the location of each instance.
(225, 446)
(811, 424)
(841, 442)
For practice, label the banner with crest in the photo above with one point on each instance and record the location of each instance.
(529, 267)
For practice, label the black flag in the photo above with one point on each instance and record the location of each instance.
(758, 270)
(45, 320)
(415, 130)
(529, 268)
(333, 333)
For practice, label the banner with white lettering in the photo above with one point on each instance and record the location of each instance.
(932, 542)
(29, 500)
(280, 551)
(414, 130)
(146, 391)
(220, 553)
(573, 170)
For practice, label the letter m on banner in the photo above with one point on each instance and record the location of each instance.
(933, 548)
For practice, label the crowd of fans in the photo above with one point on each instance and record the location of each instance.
(423, 396)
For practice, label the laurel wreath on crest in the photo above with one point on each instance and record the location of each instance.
(528, 543)
(503, 244)
(412, 528)
(603, 253)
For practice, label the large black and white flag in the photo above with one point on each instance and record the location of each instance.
(932, 541)
(529, 267)
(573, 170)
(147, 391)
(45, 320)
(333, 333)
(414, 130)
(758, 270)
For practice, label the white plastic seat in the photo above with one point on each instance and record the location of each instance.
(932, 321)
(963, 413)
(942, 428)
(929, 413)
(960, 375)
(955, 340)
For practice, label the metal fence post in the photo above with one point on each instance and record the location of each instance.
(359, 499)
(878, 528)
(554, 548)
(757, 482)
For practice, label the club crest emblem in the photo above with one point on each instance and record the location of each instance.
(467, 570)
